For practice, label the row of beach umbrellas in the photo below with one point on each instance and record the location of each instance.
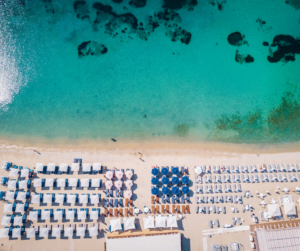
(119, 174)
(175, 190)
(118, 184)
(175, 180)
(165, 171)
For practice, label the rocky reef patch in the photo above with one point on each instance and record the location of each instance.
(81, 10)
(236, 39)
(91, 48)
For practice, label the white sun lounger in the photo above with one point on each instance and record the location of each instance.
(201, 199)
(269, 168)
(229, 198)
(196, 199)
(227, 169)
(206, 199)
(297, 167)
(233, 178)
(228, 178)
(235, 199)
(290, 177)
(196, 189)
(220, 188)
(275, 178)
(232, 169)
(298, 174)
(213, 209)
(262, 178)
(229, 190)
(224, 188)
(214, 179)
(278, 168)
(196, 209)
(242, 169)
(239, 187)
(233, 188)
(208, 209)
(256, 178)
(266, 178)
(274, 169)
(252, 179)
(246, 169)
(271, 177)
(219, 179)
(293, 168)
(280, 177)
(284, 177)
(216, 199)
(223, 179)
(250, 169)
(288, 169)
(294, 177)
(200, 189)
(243, 178)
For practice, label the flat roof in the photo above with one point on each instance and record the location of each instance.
(146, 243)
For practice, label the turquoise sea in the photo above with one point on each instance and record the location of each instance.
(144, 69)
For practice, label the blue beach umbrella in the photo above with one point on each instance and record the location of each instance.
(154, 181)
(175, 170)
(185, 190)
(185, 180)
(165, 180)
(175, 180)
(165, 190)
(155, 191)
(175, 190)
(164, 171)
(155, 171)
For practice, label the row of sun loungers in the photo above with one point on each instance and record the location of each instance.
(166, 209)
(226, 188)
(171, 199)
(210, 209)
(117, 202)
(218, 199)
(116, 212)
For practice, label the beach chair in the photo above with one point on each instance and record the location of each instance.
(106, 192)
(223, 179)
(111, 193)
(196, 189)
(153, 210)
(239, 188)
(221, 199)
(214, 179)
(110, 212)
(210, 188)
(293, 168)
(126, 202)
(216, 199)
(187, 208)
(242, 169)
(297, 166)
(229, 190)
(207, 210)
(266, 178)
(162, 209)
(233, 188)
(220, 189)
(131, 211)
(247, 178)
(246, 169)
(213, 209)
(256, 178)
(131, 202)
(177, 209)
(173, 209)
(117, 193)
(262, 178)
(250, 169)
(225, 188)
(105, 212)
(243, 178)
(111, 202)
(116, 203)
(232, 169)
(284, 177)
(236, 169)
(271, 177)
(116, 212)
(167, 209)
(121, 212)
(157, 209)
(229, 198)
(269, 167)
(238, 178)
(196, 209)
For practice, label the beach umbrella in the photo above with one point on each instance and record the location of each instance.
(109, 175)
(128, 183)
(118, 184)
(18, 221)
(9, 195)
(96, 166)
(56, 232)
(49, 183)
(175, 190)
(171, 221)
(37, 182)
(108, 184)
(165, 190)
(63, 167)
(11, 184)
(51, 167)
(175, 170)
(57, 215)
(155, 191)
(73, 182)
(47, 198)
(164, 171)
(198, 170)
(4, 233)
(93, 231)
(14, 172)
(83, 198)
(7, 208)
(81, 215)
(95, 182)
(30, 232)
(35, 198)
(84, 182)
(148, 222)
(70, 215)
(165, 180)
(45, 215)
(32, 215)
(154, 181)
(24, 173)
(94, 199)
(115, 225)
(5, 220)
(128, 194)
(86, 167)
(22, 184)
(59, 198)
(175, 180)
(129, 174)
(119, 174)
(185, 180)
(44, 232)
(160, 221)
(39, 167)
(71, 198)
(94, 215)
(75, 167)
(21, 196)
(60, 182)
(155, 171)
(80, 231)
(20, 208)
(68, 231)
(16, 233)
(129, 223)
(185, 190)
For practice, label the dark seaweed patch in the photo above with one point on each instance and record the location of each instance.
(220, 5)
(137, 3)
(181, 130)
(236, 39)
(117, 1)
(265, 44)
(294, 3)
(91, 48)
(48, 6)
(81, 10)
(243, 58)
(178, 4)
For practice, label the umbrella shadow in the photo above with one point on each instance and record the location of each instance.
(180, 225)
(134, 187)
(186, 243)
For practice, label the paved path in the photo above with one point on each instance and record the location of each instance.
(226, 230)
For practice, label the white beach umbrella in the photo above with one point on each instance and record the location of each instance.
(30, 232)
(16, 233)
(21, 196)
(59, 198)
(9, 195)
(71, 198)
(84, 182)
(118, 184)
(24, 173)
(96, 166)
(94, 215)
(35, 198)
(128, 184)
(160, 221)
(80, 231)
(198, 170)
(49, 183)
(95, 182)
(11, 184)
(61, 182)
(93, 231)
(32, 215)
(47, 198)
(274, 210)
(108, 184)
(56, 232)
(109, 175)
(83, 198)
(57, 215)
(18, 220)
(115, 225)
(39, 167)
(44, 232)
(128, 194)
(37, 182)
(75, 167)
(70, 215)
(14, 172)
(5, 220)
(171, 221)
(45, 215)
(119, 174)
(22, 184)
(148, 222)
(73, 182)
(94, 198)
(51, 167)
(4, 233)
(289, 208)
(129, 174)
(68, 231)
(20, 208)
(129, 223)
(81, 215)
(86, 167)
(63, 167)
(7, 208)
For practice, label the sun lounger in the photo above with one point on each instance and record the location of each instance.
(269, 168)
(297, 167)
(131, 211)
(240, 200)
(162, 209)
(195, 179)
(217, 209)
(152, 200)
(262, 177)
(229, 190)
(196, 189)
(219, 180)
(238, 178)
(292, 168)
(229, 198)
(213, 209)
(205, 199)
(271, 177)
(203, 209)
(173, 209)
(182, 199)
(256, 178)
(208, 209)
(121, 212)
(157, 209)
(177, 209)
(127, 212)
(223, 179)
(233, 188)
(196, 209)
(223, 209)
(205, 189)
(215, 188)
(221, 199)
(167, 208)
(252, 180)
(232, 178)
(110, 212)
(225, 188)
(294, 177)
(196, 199)
(232, 169)
(233, 221)
(210, 188)
(216, 199)
(235, 199)
(214, 179)
(243, 178)
(250, 169)
(239, 187)
(220, 188)
(173, 199)
(116, 212)
(200, 189)
(238, 221)
(298, 174)
(156, 200)
(211, 199)
(242, 169)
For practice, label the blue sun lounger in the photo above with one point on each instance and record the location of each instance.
(116, 202)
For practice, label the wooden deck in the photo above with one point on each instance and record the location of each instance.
(145, 232)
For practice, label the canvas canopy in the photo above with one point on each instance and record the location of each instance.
(20, 208)
(115, 225)
(274, 210)
(14, 172)
(96, 166)
(83, 198)
(32, 215)
(24, 173)
(95, 182)
(9, 195)
(94, 198)
(86, 167)
(49, 183)
(16, 233)
(289, 208)
(160, 221)
(70, 215)
(37, 182)
(21, 196)
(57, 215)
(71, 198)
(4, 233)
(18, 221)
(63, 167)
(172, 221)
(93, 231)
(84, 182)
(47, 198)
(35, 198)
(94, 215)
(129, 223)
(61, 182)
(44, 232)
(51, 167)
(39, 167)
(7, 208)
(30, 232)
(73, 182)
(75, 167)
(22, 184)
(56, 232)
(11, 184)
(59, 198)
(148, 222)
(81, 215)
(80, 231)
(68, 231)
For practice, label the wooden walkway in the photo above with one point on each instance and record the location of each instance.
(136, 233)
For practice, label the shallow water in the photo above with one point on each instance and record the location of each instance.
(147, 85)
